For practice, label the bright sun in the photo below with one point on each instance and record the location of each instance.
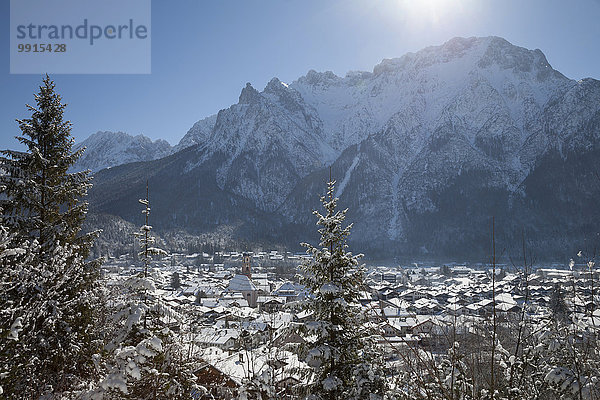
(431, 11)
(428, 12)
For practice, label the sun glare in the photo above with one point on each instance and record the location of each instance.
(428, 12)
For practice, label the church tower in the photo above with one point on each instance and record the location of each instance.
(246, 269)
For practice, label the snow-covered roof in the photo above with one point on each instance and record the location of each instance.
(505, 298)
(241, 283)
(286, 289)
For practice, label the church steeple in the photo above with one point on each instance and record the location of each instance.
(246, 268)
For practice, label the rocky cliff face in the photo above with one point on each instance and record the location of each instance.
(426, 148)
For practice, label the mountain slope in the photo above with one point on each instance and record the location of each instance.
(197, 134)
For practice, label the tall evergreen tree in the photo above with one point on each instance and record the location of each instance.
(344, 361)
(175, 280)
(47, 296)
(557, 303)
(43, 200)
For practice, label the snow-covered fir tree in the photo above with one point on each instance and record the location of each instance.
(175, 280)
(557, 303)
(48, 293)
(43, 200)
(341, 352)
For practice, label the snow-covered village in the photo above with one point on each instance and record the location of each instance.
(243, 319)
(299, 200)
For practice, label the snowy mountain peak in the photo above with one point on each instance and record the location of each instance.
(314, 78)
(248, 95)
(275, 86)
(108, 149)
(519, 59)
(457, 48)
(474, 52)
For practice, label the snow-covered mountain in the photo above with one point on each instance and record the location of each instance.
(264, 143)
(109, 149)
(425, 148)
(477, 104)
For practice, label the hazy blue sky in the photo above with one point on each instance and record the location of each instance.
(203, 53)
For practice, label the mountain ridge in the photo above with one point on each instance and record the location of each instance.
(107, 149)
(476, 116)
